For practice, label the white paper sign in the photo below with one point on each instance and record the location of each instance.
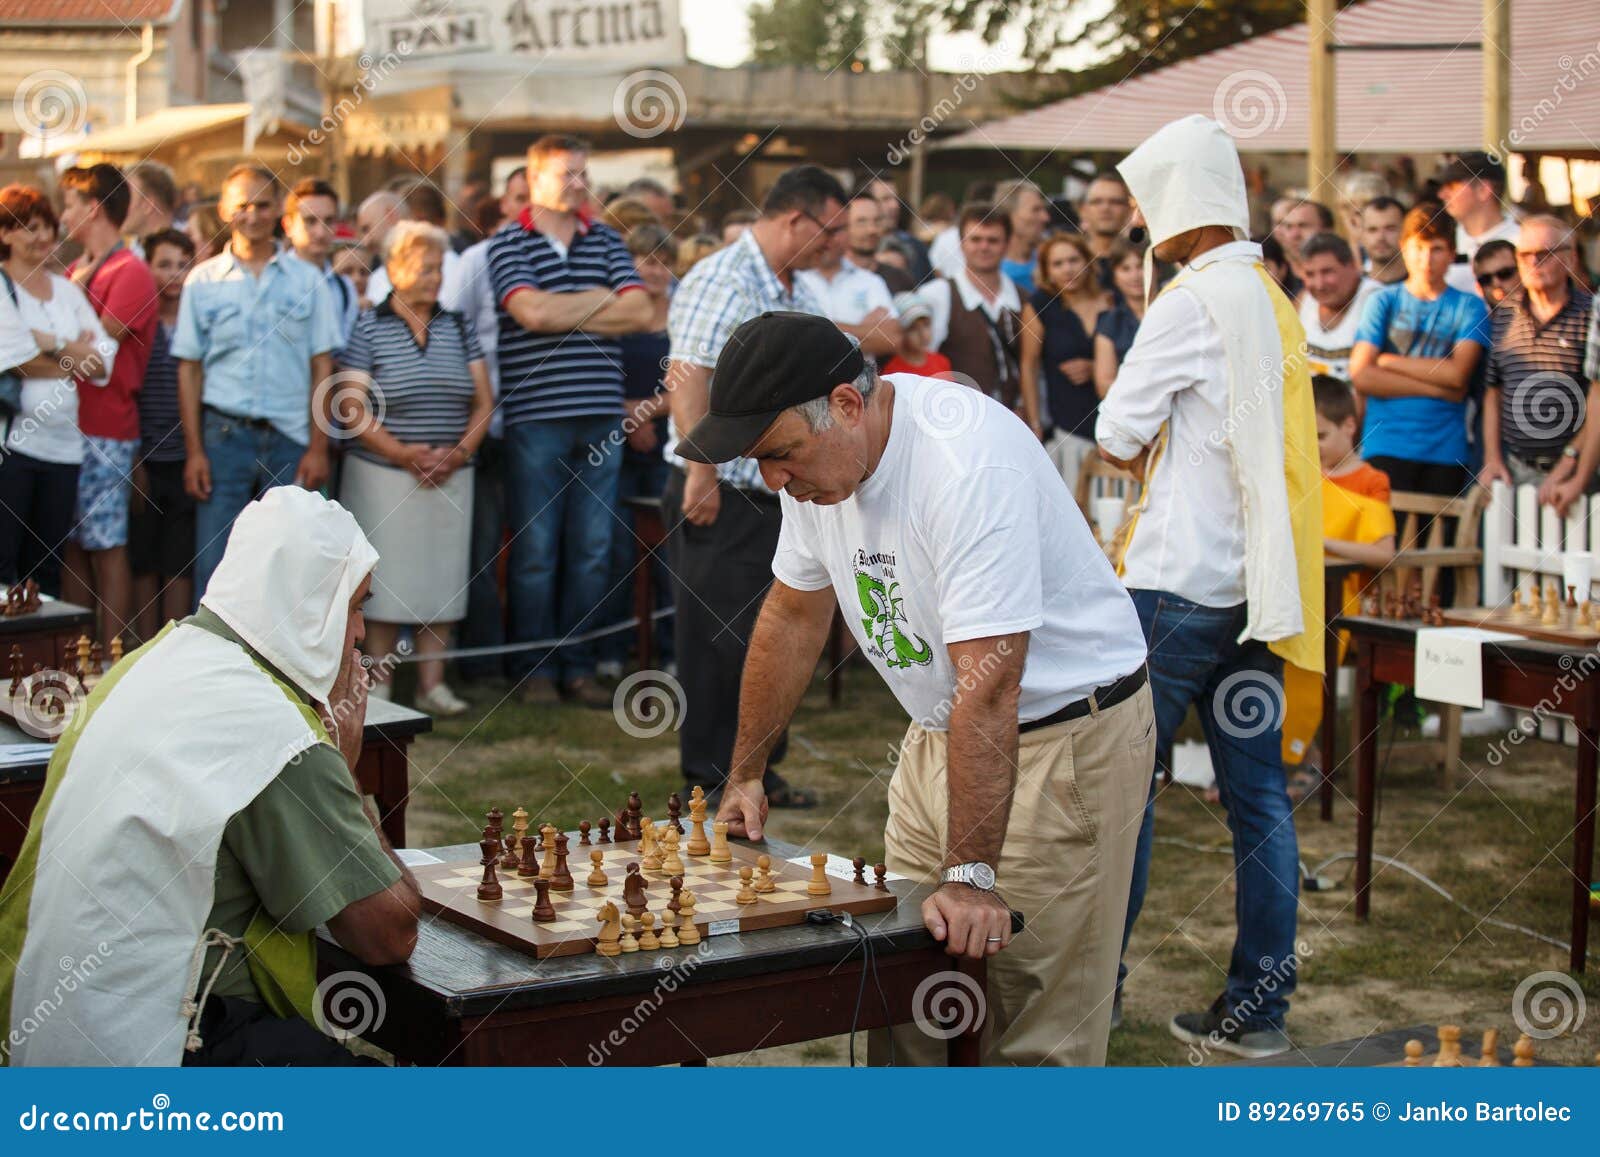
(1450, 663)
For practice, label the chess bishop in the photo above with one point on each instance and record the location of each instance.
(199, 820)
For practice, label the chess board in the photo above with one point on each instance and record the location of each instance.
(1568, 627)
(450, 891)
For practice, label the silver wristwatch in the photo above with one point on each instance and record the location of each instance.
(978, 875)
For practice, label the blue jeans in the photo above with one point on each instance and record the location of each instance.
(245, 460)
(1237, 690)
(640, 478)
(561, 486)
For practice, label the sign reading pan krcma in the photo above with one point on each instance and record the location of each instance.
(610, 33)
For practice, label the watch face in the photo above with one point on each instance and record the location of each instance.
(983, 876)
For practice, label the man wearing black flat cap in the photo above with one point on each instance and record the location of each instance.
(972, 584)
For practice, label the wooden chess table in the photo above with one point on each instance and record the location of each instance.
(47, 636)
(1521, 674)
(464, 999)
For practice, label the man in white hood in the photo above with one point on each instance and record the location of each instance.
(1212, 410)
(200, 820)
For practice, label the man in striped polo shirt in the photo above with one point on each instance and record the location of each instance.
(564, 285)
(722, 520)
(1534, 424)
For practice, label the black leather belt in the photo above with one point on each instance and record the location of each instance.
(253, 423)
(1097, 700)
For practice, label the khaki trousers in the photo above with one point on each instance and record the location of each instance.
(1066, 866)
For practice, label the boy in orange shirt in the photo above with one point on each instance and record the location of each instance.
(1357, 526)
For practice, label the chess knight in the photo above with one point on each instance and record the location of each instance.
(200, 820)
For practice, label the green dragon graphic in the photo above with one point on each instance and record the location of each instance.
(885, 610)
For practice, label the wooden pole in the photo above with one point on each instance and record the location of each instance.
(1324, 115)
(1497, 77)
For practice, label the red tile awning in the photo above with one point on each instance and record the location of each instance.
(105, 12)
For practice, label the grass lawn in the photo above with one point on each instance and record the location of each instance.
(1498, 840)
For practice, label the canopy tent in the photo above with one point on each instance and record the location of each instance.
(1390, 100)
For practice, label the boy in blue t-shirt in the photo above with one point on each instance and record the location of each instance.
(1416, 351)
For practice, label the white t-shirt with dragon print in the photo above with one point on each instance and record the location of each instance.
(964, 531)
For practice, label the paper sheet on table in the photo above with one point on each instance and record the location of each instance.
(1450, 663)
(23, 754)
(416, 857)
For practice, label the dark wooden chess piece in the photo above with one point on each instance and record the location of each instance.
(622, 824)
(543, 910)
(496, 819)
(30, 597)
(674, 810)
(583, 833)
(860, 865)
(562, 880)
(635, 815)
(1572, 597)
(527, 858)
(605, 831)
(490, 888)
(16, 671)
(880, 873)
(675, 905)
(633, 887)
(512, 859)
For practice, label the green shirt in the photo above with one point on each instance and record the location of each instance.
(303, 849)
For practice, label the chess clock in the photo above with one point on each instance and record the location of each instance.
(979, 875)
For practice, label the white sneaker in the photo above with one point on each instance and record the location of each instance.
(608, 669)
(440, 700)
(383, 691)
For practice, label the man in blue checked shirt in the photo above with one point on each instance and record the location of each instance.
(722, 521)
(256, 328)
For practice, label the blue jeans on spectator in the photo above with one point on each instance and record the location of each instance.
(484, 625)
(641, 477)
(245, 460)
(1237, 690)
(561, 490)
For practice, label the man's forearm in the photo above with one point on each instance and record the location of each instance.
(784, 647)
(1491, 425)
(1379, 382)
(1442, 373)
(981, 775)
(1588, 439)
(624, 313)
(322, 401)
(191, 385)
(541, 311)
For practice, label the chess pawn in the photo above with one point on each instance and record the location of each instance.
(720, 852)
(1522, 1052)
(647, 939)
(630, 942)
(675, 812)
(1413, 1053)
(747, 894)
(116, 649)
(668, 937)
(688, 932)
(605, 831)
(583, 833)
(1552, 610)
(818, 885)
(597, 878)
(1516, 609)
(765, 882)
(860, 866)
(880, 877)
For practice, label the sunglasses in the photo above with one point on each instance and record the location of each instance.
(1491, 276)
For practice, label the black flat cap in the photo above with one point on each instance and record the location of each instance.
(771, 363)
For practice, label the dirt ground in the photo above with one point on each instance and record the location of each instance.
(1498, 839)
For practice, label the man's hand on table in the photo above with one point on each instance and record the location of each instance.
(744, 807)
(965, 918)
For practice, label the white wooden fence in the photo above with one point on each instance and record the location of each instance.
(1522, 546)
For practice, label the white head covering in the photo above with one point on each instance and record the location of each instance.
(1187, 175)
(294, 561)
